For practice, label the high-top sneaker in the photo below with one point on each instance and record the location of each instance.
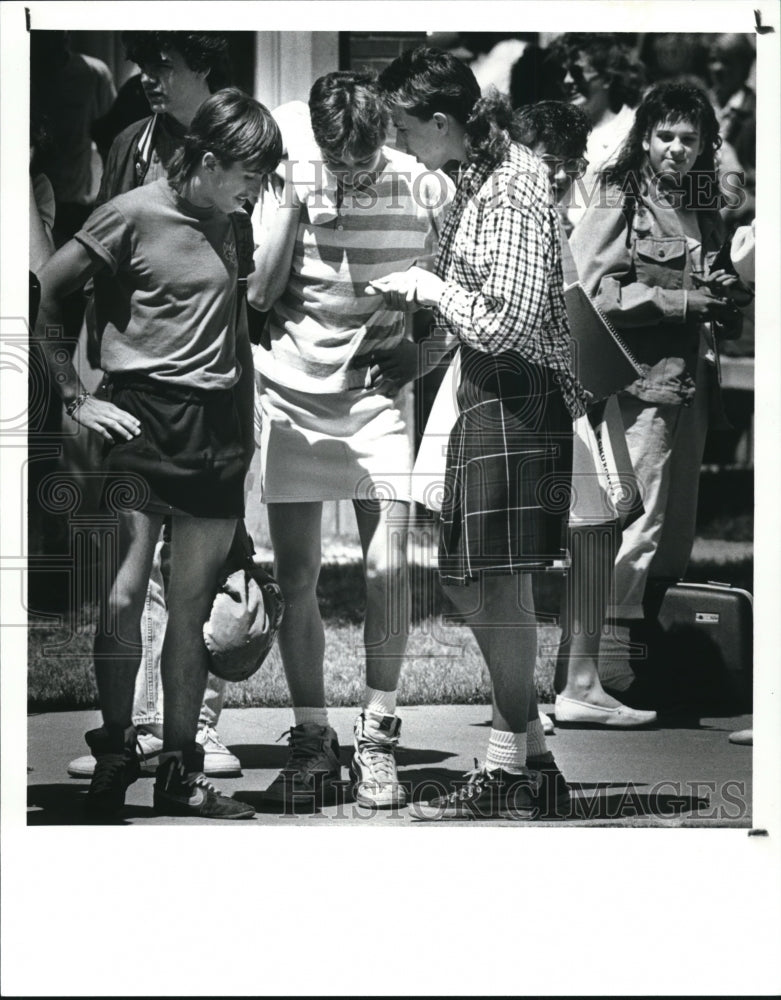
(312, 773)
(116, 767)
(373, 767)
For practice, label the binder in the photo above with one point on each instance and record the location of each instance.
(602, 362)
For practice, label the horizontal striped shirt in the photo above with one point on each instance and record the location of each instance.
(325, 326)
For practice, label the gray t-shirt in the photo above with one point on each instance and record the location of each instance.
(167, 307)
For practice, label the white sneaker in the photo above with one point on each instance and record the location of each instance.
(373, 768)
(218, 761)
(149, 747)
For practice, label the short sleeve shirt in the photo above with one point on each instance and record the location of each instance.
(167, 307)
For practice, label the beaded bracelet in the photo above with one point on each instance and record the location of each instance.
(71, 408)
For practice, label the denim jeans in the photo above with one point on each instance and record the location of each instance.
(666, 445)
(148, 699)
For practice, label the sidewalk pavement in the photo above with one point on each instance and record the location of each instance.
(670, 776)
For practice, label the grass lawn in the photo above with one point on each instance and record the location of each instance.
(443, 664)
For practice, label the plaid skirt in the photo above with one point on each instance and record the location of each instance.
(509, 470)
(188, 458)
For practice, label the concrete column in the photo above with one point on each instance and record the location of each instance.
(288, 62)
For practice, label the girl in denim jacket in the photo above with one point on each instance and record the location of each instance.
(644, 251)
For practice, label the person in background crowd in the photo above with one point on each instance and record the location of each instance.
(44, 531)
(730, 59)
(644, 254)
(558, 134)
(538, 75)
(68, 91)
(130, 106)
(330, 375)
(605, 80)
(497, 288)
(178, 427)
(42, 200)
(72, 91)
(178, 71)
(669, 56)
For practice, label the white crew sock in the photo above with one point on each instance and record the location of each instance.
(535, 739)
(506, 750)
(310, 716)
(379, 702)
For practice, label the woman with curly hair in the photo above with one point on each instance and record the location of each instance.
(497, 291)
(644, 251)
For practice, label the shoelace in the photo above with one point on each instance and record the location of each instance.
(302, 745)
(199, 781)
(472, 786)
(380, 759)
(192, 780)
(210, 736)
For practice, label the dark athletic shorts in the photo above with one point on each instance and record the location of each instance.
(188, 458)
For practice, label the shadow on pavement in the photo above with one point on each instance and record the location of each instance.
(270, 757)
(63, 805)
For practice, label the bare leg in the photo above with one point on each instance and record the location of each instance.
(500, 612)
(125, 574)
(383, 531)
(199, 547)
(295, 535)
(585, 600)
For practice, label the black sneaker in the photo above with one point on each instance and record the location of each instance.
(183, 792)
(485, 794)
(555, 795)
(116, 768)
(312, 774)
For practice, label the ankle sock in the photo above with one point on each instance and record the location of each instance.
(310, 716)
(379, 702)
(506, 750)
(535, 739)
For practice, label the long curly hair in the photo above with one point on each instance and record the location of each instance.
(670, 102)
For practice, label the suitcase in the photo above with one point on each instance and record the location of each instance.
(706, 638)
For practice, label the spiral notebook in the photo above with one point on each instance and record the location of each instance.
(602, 362)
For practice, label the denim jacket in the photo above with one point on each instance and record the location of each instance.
(638, 266)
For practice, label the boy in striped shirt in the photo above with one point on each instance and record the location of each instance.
(331, 368)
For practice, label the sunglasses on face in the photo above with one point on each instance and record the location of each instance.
(581, 73)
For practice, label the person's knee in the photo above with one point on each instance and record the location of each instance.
(387, 571)
(298, 575)
(121, 611)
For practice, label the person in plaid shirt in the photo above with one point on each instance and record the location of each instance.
(497, 289)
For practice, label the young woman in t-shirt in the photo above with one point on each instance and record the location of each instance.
(177, 423)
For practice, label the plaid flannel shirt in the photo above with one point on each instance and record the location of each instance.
(500, 258)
